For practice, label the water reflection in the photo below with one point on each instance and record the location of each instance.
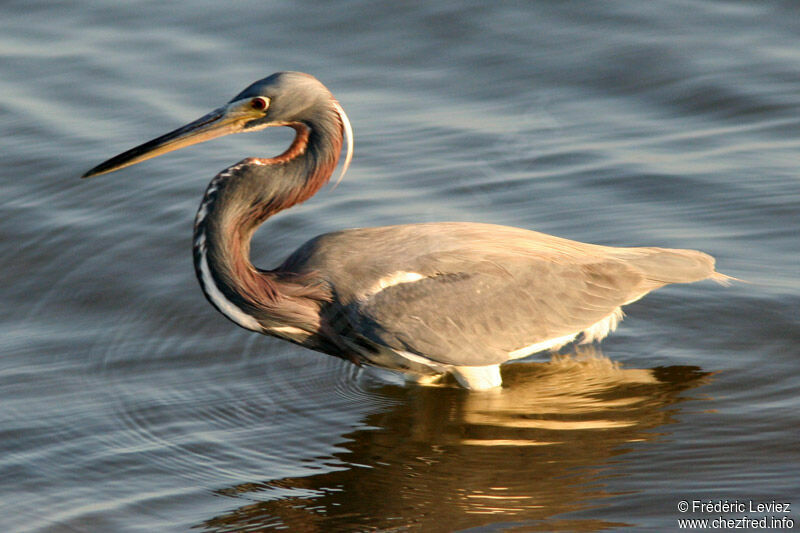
(444, 459)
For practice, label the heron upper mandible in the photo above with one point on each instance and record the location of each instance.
(425, 299)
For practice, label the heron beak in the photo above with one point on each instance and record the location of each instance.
(228, 119)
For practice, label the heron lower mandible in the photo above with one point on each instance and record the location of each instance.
(425, 299)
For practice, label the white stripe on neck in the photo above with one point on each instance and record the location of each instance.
(225, 306)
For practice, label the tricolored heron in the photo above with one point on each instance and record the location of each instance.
(426, 299)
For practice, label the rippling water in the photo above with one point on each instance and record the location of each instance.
(129, 404)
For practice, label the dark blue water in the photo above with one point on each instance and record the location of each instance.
(128, 404)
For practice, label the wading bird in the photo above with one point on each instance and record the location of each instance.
(425, 299)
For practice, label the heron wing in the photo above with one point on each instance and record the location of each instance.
(469, 294)
(478, 312)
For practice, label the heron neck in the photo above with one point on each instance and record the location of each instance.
(237, 201)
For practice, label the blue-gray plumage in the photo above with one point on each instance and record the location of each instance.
(427, 299)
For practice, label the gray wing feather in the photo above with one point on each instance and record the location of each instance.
(474, 319)
(485, 290)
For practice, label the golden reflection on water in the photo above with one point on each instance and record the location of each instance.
(445, 459)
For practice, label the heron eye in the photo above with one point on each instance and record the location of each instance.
(259, 103)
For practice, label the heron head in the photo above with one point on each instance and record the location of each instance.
(282, 99)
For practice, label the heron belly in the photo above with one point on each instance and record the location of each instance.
(484, 376)
(469, 377)
(597, 331)
(403, 361)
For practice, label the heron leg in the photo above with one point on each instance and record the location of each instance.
(478, 377)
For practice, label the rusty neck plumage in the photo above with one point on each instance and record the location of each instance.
(237, 201)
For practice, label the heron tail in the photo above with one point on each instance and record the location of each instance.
(666, 265)
(724, 279)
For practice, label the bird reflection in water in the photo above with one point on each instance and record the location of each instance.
(444, 459)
